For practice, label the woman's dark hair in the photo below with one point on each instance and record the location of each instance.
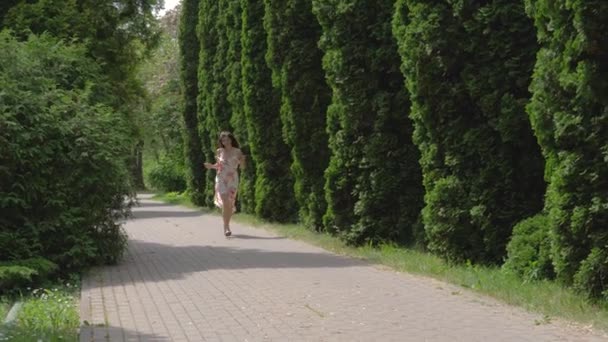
(229, 135)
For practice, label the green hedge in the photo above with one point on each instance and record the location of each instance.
(468, 80)
(18, 274)
(168, 174)
(569, 113)
(529, 251)
(246, 196)
(274, 198)
(373, 185)
(208, 40)
(293, 34)
(63, 180)
(189, 51)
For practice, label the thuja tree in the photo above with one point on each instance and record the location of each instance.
(569, 113)
(219, 110)
(189, 51)
(293, 34)
(468, 82)
(274, 198)
(233, 17)
(373, 184)
(208, 40)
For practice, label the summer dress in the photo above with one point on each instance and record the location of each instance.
(227, 177)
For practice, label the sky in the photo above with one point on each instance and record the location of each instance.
(169, 4)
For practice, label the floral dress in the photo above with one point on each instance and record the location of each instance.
(227, 177)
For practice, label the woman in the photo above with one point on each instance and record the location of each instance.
(228, 158)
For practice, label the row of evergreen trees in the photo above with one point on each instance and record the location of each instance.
(439, 123)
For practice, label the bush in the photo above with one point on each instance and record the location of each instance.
(274, 197)
(468, 80)
(63, 180)
(569, 113)
(592, 276)
(234, 19)
(168, 175)
(373, 182)
(189, 50)
(293, 34)
(22, 273)
(529, 251)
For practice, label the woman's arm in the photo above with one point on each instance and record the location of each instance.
(213, 166)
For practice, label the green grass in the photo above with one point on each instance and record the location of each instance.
(4, 307)
(48, 314)
(547, 298)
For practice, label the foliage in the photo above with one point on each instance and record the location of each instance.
(63, 180)
(295, 60)
(373, 184)
(21, 273)
(168, 174)
(117, 36)
(163, 127)
(529, 251)
(189, 50)
(274, 183)
(46, 315)
(208, 40)
(468, 81)
(569, 113)
(234, 17)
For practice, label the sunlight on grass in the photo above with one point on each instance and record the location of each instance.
(46, 315)
(547, 298)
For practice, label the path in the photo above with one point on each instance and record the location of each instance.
(183, 281)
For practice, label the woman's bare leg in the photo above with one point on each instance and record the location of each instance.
(226, 212)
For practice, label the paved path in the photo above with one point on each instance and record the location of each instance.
(183, 281)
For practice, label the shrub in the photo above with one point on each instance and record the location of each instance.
(293, 33)
(63, 175)
(168, 174)
(22, 273)
(468, 81)
(274, 198)
(529, 251)
(373, 181)
(569, 114)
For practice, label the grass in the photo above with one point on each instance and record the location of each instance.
(4, 307)
(47, 314)
(547, 298)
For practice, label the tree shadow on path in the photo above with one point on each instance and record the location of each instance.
(154, 262)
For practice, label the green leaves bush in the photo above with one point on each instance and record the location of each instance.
(468, 81)
(189, 50)
(569, 114)
(529, 251)
(295, 60)
(63, 175)
(274, 198)
(22, 273)
(373, 186)
(168, 174)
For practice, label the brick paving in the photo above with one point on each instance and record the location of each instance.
(181, 280)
